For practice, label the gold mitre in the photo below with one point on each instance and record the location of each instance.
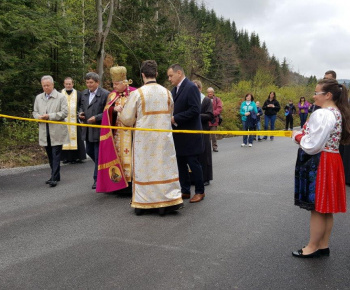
(118, 74)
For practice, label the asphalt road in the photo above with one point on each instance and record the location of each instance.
(240, 237)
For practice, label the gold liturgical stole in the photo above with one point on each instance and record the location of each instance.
(72, 101)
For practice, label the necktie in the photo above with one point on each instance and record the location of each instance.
(175, 91)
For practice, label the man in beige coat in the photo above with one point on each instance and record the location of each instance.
(51, 105)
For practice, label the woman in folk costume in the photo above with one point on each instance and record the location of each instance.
(115, 144)
(319, 172)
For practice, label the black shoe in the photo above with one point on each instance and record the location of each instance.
(53, 183)
(94, 185)
(299, 254)
(206, 183)
(265, 138)
(49, 181)
(168, 209)
(139, 211)
(259, 139)
(215, 150)
(323, 252)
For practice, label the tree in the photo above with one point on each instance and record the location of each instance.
(36, 40)
(102, 32)
(285, 73)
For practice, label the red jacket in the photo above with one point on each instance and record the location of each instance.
(217, 109)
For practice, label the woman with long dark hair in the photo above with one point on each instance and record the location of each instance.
(319, 173)
(303, 106)
(271, 107)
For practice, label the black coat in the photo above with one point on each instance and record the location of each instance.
(271, 111)
(94, 109)
(187, 109)
(205, 158)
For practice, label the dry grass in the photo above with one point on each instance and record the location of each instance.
(19, 156)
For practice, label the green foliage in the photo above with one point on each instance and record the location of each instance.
(16, 132)
(233, 100)
(312, 81)
(58, 37)
(230, 115)
(37, 39)
(262, 78)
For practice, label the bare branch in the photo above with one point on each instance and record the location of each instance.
(110, 18)
(106, 7)
(212, 82)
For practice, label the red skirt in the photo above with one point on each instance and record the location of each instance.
(330, 192)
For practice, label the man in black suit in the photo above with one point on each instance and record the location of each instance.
(186, 116)
(91, 109)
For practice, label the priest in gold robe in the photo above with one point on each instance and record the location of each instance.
(115, 145)
(155, 173)
(74, 151)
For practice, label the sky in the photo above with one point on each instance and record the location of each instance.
(314, 36)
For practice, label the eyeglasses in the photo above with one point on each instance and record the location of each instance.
(319, 93)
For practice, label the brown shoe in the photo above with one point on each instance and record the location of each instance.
(186, 196)
(197, 197)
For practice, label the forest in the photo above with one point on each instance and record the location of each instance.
(72, 37)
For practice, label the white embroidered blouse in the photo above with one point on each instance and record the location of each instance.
(322, 132)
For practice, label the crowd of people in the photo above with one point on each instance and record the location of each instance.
(153, 184)
(160, 167)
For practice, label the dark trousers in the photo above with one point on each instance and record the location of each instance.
(303, 117)
(269, 119)
(250, 138)
(54, 155)
(92, 150)
(289, 122)
(184, 176)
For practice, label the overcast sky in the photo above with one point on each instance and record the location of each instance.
(314, 36)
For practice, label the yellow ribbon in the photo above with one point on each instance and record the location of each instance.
(239, 133)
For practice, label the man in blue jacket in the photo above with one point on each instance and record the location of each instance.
(186, 116)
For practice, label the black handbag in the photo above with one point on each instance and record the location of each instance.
(220, 120)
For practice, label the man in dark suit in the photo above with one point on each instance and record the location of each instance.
(91, 109)
(186, 116)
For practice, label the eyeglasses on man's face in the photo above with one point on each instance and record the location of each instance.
(319, 93)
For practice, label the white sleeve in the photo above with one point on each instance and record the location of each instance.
(128, 115)
(321, 124)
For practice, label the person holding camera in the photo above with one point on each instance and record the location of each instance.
(214, 123)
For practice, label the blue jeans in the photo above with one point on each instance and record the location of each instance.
(245, 137)
(258, 128)
(270, 119)
(303, 117)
